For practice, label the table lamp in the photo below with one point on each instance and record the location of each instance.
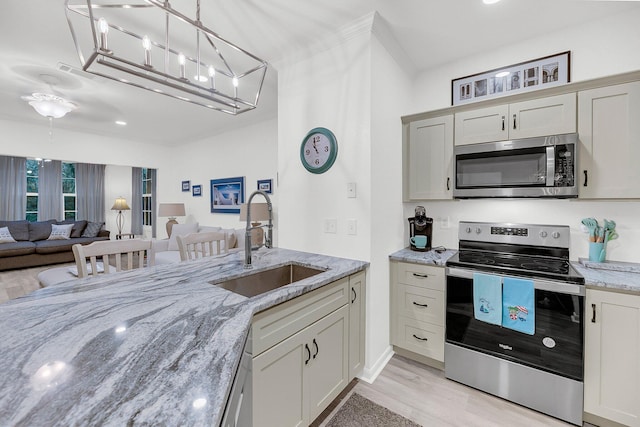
(172, 210)
(120, 205)
(259, 212)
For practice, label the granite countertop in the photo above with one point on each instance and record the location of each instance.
(430, 257)
(158, 346)
(610, 275)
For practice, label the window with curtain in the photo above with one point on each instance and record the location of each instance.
(147, 199)
(33, 167)
(69, 196)
(13, 187)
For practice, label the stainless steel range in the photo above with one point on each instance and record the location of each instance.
(529, 355)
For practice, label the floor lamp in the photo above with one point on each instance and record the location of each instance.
(172, 210)
(120, 205)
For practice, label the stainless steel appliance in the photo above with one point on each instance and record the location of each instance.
(532, 167)
(420, 225)
(543, 371)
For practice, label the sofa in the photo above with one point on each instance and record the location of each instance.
(33, 244)
(166, 251)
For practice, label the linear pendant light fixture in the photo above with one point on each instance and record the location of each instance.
(151, 45)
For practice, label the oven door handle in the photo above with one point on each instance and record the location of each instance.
(544, 285)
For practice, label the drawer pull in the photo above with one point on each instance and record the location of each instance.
(354, 295)
(420, 276)
(420, 305)
(421, 339)
(317, 348)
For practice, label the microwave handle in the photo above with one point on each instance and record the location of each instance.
(551, 165)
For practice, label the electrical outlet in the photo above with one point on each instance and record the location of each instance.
(445, 222)
(352, 227)
(331, 225)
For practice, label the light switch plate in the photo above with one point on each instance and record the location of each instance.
(351, 190)
(352, 227)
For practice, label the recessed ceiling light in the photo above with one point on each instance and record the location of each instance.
(490, 1)
(121, 123)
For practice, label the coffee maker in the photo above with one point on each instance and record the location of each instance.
(420, 225)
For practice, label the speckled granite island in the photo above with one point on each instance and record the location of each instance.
(158, 346)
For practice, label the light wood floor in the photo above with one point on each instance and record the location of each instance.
(425, 396)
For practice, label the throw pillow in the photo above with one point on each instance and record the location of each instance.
(60, 232)
(19, 229)
(92, 229)
(5, 235)
(230, 237)
(78, 226)
(180, 230)
(40, 230)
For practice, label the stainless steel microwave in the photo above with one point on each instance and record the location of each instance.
(531, 167)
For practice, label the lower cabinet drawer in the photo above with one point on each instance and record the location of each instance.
(422, 304)
(421, 337)
(424, 276)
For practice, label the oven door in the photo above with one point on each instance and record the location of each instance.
(556, 346)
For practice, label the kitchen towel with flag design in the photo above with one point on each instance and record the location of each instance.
(487, 298)
(518, 305)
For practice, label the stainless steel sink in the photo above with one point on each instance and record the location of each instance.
(267, 280)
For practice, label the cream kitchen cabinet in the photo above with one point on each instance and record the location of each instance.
(428, 159)
(356, 324)
(609, 132)
(418, 309)
(612, 356)
(536, 117)
(305, 352)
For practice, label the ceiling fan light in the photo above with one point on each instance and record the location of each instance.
(49, 105)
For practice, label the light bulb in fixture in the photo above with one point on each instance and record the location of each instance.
(182, 61)
(212, 76)
(146, 45)
(503, 74)
(103, 28)
(235, 82)
(50, 106)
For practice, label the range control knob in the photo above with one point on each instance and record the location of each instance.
(543, 234)
(468, 230)
(478, 230)
(555, 235)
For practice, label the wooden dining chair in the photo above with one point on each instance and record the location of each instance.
(200, 245)
(134, 252)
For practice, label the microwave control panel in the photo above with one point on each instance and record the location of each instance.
(564, 164)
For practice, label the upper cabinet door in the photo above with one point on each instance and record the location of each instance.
(429, 157)
(609, 132)
(541, 117)
(482, 125)
(537, 117)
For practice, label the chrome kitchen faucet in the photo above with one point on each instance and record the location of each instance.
(247, 236)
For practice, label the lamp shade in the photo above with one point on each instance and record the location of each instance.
(171, 209)
(259, 212)
(120, 205)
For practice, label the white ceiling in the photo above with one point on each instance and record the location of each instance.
(35, 38)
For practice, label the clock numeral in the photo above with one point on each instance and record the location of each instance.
(307, 152)
(317, 161)
(326, 148)
(316, 139)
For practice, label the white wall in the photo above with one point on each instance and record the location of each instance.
(597, 49)
(31, 139)
(330, 89)
(249, 152)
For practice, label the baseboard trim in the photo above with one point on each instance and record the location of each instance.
(369, 374)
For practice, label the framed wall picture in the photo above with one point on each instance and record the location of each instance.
(186, 185)
(265, 185)
(196, 190)
(541, 73)
(227, 195)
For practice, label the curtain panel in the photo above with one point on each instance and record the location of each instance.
(90, 192)
(153, 173)
(13, 188)
(50, 190)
